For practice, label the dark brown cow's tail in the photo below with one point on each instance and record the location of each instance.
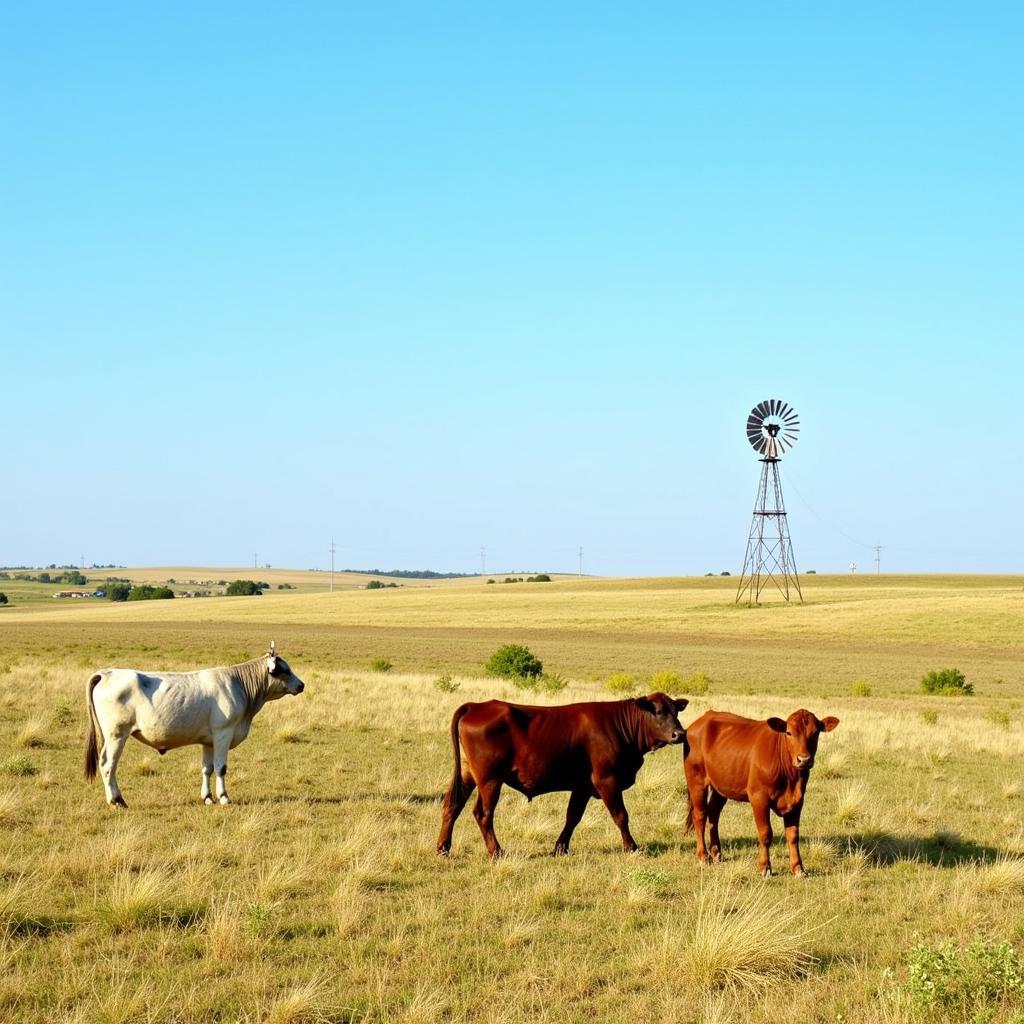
(456, 795)
(91, 752)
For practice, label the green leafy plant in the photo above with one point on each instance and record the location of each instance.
(63, 715)
(946, 980)
(697, 685)
(860, 688)
(929, 715)
(19, 766)
(947, 682)
(243, 588)
(667, 681)
(444, 683)
(381, 665)
(621, 683)
(514, 661)
(550, 682)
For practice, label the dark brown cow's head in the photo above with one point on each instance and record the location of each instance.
(661, 718)
(801, 730)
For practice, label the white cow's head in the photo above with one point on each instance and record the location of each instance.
(282, 679)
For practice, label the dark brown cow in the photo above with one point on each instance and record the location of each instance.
(727, 757)
(591, 750)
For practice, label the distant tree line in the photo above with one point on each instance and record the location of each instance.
(73, 578)
(413, 574)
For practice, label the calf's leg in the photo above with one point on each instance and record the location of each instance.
(483, 811)
(695, 785)
(578, 800)
(715, 804)
(204, 791)
(763, 821)
(611, 794)
(454, 800)
(792, 823)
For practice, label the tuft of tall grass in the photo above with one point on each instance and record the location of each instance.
(10, 808)
(748, 941)
(136, 900)
(851, 802)
(32, 734)
(302, 1004)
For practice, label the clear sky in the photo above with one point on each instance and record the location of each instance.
(426, 277)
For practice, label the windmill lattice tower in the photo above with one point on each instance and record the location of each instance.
(772, 427)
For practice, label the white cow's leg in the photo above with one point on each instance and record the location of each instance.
(221, 743)
(113, 745)
(204, 792)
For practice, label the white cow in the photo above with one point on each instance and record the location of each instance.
(213, 707)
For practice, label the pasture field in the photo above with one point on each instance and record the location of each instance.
(317, 895)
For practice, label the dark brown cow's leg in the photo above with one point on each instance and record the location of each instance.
(763, 821)
(611, 794)
(792, 823)
(483, 811)
(454, 800)
(577, 805)
(715, 804)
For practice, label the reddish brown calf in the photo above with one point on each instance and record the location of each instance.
(590, 750)
(727, 757)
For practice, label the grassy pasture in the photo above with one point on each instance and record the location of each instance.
(317, 896)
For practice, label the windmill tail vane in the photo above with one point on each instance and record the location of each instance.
(773, 427)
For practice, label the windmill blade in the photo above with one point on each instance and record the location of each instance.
(790, 415)
(762, 410)
(782, 409)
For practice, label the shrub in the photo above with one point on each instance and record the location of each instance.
(550, 682)
(860, 688)
(929, 715)
(118, 591)
(539, 578)
(283, 586)
(19, 766)
(243, 588)
(375, 585)
(621, 683)
(698, 684)
(3, 597)
(947, 682)
(514, 661)
(492, 581)
(967, 983)
(380, 665)
(667, 681)
(445, 684)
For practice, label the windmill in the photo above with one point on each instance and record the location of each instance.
(772, 427)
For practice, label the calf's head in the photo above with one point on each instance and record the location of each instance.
(282, 679)
(661, 718)
(801, 731)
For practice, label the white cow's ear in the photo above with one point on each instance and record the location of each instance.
(272, 663)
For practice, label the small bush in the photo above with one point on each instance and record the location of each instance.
(947, 682)
(698, 684)
(381, 665)
(492, 581)
(550, 682)
(860, 688)
(965, 983)
(621, 683)
(667, 681)
(3, 597)
(118, 591)
(444, 683)
(148, 593)
(19, 766)
(929, 715)
(514, 661)
(539, 578)
(243, 588)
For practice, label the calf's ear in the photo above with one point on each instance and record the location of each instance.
(828, 724)
(680, 703)
(777, 724)
(644, 704)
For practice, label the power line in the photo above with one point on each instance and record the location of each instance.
(332, 549)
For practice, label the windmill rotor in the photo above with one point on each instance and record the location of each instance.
(772, 427)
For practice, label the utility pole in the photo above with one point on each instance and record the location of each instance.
(878, 559)
(254, 560)
(332, 565)
(483, 561)
(581, 559)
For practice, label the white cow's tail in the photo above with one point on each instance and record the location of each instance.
(91, 752)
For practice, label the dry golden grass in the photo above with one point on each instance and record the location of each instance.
(317, 895)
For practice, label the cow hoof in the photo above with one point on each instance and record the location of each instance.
(208, 800)
(799, 873)
(118, 801)
(224, 799)
(766, 873)
(560, 851)
(443, 851)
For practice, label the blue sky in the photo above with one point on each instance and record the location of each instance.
(431, 277)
